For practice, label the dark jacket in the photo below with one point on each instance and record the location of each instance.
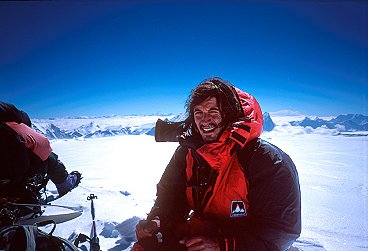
(20, 166)
(273, 220)
(239, 169)
(10, 113)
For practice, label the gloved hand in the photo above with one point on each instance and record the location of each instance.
(146, 228)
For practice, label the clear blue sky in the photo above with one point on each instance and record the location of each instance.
(137, 57)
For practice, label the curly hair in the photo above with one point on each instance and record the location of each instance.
(225, 94)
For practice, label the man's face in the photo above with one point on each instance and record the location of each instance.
(208, 119)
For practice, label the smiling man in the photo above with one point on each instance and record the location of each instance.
(224, 188)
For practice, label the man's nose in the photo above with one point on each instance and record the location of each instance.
(206, 117)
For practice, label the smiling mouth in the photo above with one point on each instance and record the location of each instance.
(209, 128)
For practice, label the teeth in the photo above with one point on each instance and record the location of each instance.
(208, 129)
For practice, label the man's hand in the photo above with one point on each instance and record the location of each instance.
(146, 228)
(201, 243)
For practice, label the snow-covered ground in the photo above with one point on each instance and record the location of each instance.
(123, 171)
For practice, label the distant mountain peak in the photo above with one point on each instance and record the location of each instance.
(268, 124)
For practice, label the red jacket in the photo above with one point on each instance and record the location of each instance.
(229, 192)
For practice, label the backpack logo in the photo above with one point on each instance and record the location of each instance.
(237, 208)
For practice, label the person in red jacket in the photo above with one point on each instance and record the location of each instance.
(26, 159)
(224, 188)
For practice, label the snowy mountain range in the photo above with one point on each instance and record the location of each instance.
(86, 127)
(345, 123)
(106, 126)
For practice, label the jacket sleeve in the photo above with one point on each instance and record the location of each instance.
(171, 204)
(274, 214)
(56, 169)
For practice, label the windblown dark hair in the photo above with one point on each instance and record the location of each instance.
(225, 94)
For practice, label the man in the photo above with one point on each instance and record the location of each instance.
(243, 192)
(27, 160)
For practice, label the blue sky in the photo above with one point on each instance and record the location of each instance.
(137, 57)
